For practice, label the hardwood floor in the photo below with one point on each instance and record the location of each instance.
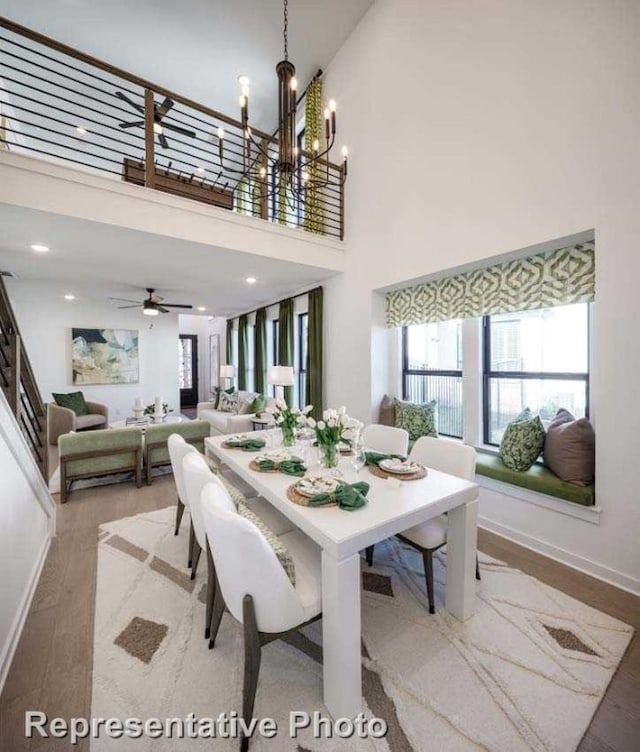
(52, 667)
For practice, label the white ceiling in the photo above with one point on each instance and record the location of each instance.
(198, 48)
(94, 261)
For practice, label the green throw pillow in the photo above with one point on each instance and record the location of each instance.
(522, 441)
(418, 419)
(258, 404)
(74, 401)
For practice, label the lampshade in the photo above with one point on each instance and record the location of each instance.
(226, 372)
(280, 376)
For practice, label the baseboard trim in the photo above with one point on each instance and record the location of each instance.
(9, 648)
(579, 563)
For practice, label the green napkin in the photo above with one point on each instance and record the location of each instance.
(375, 458)
(289, 467)
(249, 445)
(347, 496)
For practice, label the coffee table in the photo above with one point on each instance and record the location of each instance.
(168, 419)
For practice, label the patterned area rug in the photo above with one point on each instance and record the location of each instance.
(525, 673)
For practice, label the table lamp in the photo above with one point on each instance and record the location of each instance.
(280, 376)
(227, 372)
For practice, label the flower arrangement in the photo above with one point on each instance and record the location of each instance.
(151, 409)
(336, 426)
(288, 419)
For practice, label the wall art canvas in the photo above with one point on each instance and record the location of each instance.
(105, 356)
(214, 361)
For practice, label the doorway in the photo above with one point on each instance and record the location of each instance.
(188, 370)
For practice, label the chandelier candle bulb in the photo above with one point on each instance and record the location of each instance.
(316, 144)
(294, 84)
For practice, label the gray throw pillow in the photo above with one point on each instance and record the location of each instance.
(387, 415)
(418, 419)
(570, 448)
(522, 441)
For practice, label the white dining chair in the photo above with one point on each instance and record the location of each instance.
(386, 439)
(448, 457)
(178, 449)
(254, 586)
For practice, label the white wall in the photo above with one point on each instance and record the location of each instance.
(480, 128)
(204, 327)
(27, 519)
(46, 322)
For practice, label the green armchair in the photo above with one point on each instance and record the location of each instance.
(156, 453)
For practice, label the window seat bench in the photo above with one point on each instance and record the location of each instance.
(537, 478)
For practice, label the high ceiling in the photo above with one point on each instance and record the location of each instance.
(94, 261)
(198, 48)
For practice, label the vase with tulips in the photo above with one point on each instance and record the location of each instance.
(288, 419)
(330, 431)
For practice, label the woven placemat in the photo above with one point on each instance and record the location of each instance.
(297, 498)
(380, 473)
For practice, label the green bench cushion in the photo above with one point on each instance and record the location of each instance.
(537, 478)
(194, 430)
(71, 444)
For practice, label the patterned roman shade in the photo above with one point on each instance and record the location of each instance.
(560, 277)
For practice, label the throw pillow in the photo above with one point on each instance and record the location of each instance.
(217, 391)
(280, 550)
(245, 400)
(387, 415)
(522, 441)
(74, 401)
(418, 419)
(258, 405)
(570, 448)
(228, 402)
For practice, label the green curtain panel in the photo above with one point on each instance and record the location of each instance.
(285, 346)
(243, 352)
(260, 350)
(313, 394)
(560, 277)
(230, 342)
(313, 122)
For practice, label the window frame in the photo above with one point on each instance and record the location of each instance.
(406, 372)
(488, 375)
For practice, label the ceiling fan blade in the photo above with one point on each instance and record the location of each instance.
(126, 300)
(176, 305)
(130, 101)
(122, 307)
(178, 129)
(163, 141)
(162, 309)
(162, 110)
(131, 125)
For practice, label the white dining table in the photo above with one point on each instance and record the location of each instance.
(392, 507)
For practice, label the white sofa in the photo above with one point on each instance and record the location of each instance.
(225, 423)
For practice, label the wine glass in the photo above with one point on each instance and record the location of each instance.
(358, 459)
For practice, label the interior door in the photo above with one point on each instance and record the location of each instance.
(188, 370)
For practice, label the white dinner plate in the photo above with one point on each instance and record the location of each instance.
(316, 484)
(399, 467)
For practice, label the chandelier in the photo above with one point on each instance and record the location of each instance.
(298, 174)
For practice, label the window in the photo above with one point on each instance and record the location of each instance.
(251, 366)
(275, 345)
(536, 359)
(432, 370)
(303, 329)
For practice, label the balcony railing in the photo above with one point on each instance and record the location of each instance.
(62, 105)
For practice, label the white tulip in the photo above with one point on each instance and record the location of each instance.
(311, 422)
(342, 410)
(321, 425)
(308, 409)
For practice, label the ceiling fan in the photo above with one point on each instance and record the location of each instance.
(159, 111)
(153, 305)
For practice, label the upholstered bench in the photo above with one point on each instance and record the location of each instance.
(537, 478)
(94, 453)
(156, 452)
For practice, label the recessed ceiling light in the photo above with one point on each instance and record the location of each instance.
(251, 280)
(201, 308)
(69, 296)
(243, 80)
(81, 130)
(39, 248)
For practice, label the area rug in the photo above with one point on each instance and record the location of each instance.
(525, 673)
